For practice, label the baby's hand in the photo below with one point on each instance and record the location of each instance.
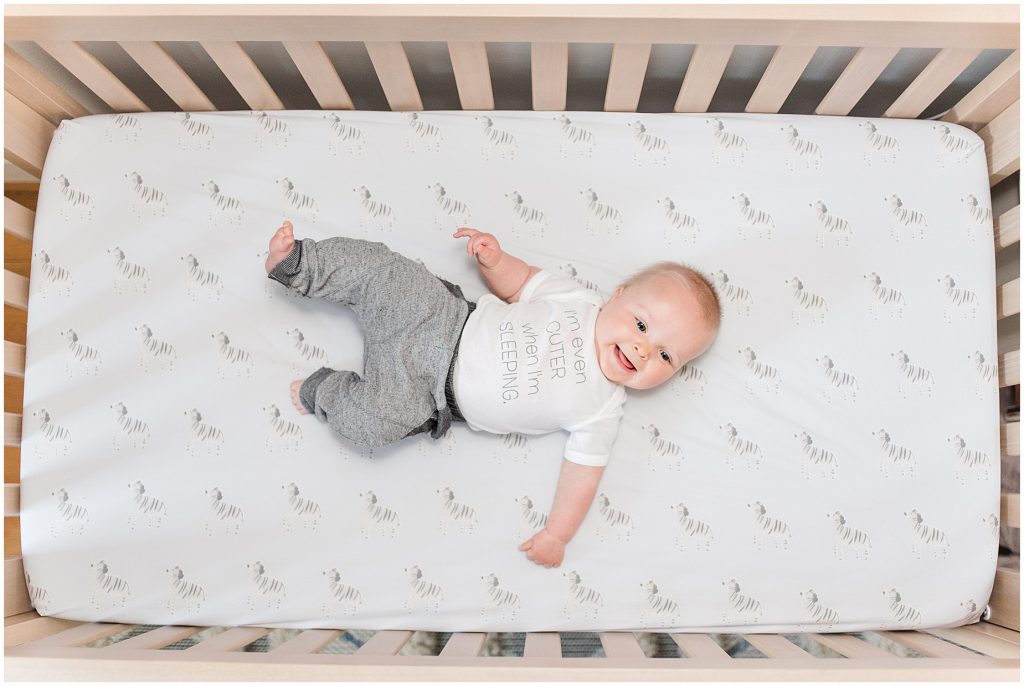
(295, 388)
(483, 245)
(544, 549)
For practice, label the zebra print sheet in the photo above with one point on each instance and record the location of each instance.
(831, 464)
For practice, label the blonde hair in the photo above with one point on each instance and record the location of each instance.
(694, 280)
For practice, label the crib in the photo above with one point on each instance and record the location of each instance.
(46, 648)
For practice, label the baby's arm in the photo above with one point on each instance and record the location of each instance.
(505, 274)
(577, 485)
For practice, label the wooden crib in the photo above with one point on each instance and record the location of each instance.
(44, 648)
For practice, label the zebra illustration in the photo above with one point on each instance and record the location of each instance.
(54, 275)
(952, 145)
(662, 448)
(38, 595)
(73, 199)
(980, 216)
(724, 141)
(821, 617)
(800, 149)
(301, 203)
(192, 131)
(746, 609)
(420, 591)
(281, 430)
(184, 591)
(423, 132)
(230, 515)
(313, 354)
(525, 217)
(378, 517)
(893, 454)
(202, 433)
(513, 445)
(924, 535)
(147, 506)
(223, 206)
(968, 460)
(733, 293)
(741, 447)
(501, 599)
(985, 374)
(74, 515)
(814, 456)
(375, 213)
(604, 217)
(886, 146)
(340, 593)
(836, 379)
(447, 208)
(691, 376)
(612, 520)
(837, 227)
(270, 589)
(114, 588)
(972, 612)
(154, 351)
(271, 129)
(59, 437)
(580, 597)
(690, 527)
(570, 272)
(753, 218)
(230, 356)
(848, 538)
(884, 295)
(991, 521)
(199, 280)
(805, 301)
(769, 528)
(677, 223)
(146, 198)
(531, 521)
(343, 134)
(648, 144)
(911, 220)
(453, 511)
(912, 375)
(575, 138)
(658, 604)
(128, 274)
(906, 617)
(957, 299)
(496, 140)
(303, 509)
(124, 124)
(85, 356)
(759, 371)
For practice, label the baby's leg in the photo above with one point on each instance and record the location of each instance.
(280, 245)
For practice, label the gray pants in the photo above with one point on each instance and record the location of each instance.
(411, 321)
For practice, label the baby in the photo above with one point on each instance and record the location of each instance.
(554, 355)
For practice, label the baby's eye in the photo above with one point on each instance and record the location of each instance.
(665, 356)
(640, 325)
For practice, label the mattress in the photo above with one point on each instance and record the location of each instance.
(830, 464)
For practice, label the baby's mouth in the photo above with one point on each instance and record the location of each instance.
(623, 360)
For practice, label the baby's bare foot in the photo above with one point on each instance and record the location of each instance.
(296, 385)
(280, 245)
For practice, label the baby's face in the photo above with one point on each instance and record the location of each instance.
(658, 327)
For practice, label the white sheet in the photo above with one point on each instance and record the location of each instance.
(792, 214)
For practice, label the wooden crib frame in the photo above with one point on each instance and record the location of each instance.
(45, 648)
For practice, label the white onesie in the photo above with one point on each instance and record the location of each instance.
(531, 367)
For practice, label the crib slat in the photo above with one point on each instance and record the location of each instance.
(321, 77)
(169, 75)
(153, 640)
(243, 74)
(385, 643)
(29, 85)
(1002, 143)
(472, 75)
(94, 75)
(309, 641)
(15, 290)
(990, 645)
(1008, 299)
(12, 430)
(16, 598)
(1005, 600)
(82, 634)
(395, 75)
(549, 75)
(543, 644)
(860, 74)
(929, 645)
(463, 645)
(703, 74)
(1007, 228)
(12, 500)
(19, 220)
(626, 76)
(14, 359)
(620, 644)
(700, 647)
(38, 627)
(988, 629)
(1009, 436)
(851, 646)
(229, 640)
(788, 63)
(27, 136)
(929, 84)
(775, 646)
(995, 93)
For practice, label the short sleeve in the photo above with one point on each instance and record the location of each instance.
(591, 443)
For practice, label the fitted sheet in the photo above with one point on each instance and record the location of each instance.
(830, 464)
